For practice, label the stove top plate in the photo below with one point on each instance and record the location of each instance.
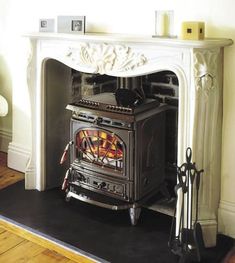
(107, 102)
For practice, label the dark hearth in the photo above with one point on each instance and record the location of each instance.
(102, 234)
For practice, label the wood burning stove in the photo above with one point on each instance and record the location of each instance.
(117, 152)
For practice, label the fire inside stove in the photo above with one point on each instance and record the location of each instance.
(101, 148)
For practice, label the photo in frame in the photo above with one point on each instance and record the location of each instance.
(71, 24)
(47, 25)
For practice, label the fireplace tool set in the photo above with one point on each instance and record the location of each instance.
(186, 238)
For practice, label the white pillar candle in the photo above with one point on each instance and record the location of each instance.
(164, 23)
(161, 23)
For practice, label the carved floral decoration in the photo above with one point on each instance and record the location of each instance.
(104, 58)
(205, 70)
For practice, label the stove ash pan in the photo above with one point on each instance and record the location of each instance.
(117, 167)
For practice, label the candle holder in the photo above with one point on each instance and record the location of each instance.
(164, 23)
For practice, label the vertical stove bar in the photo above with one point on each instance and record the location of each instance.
(110, 145)
(98, 146)
(116, 157)
(88, 143)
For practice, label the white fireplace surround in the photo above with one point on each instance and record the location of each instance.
(199, 68)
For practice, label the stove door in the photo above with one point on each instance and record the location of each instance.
(101, 149)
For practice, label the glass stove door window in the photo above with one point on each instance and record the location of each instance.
(100, 147)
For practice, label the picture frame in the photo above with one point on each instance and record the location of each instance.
(47, 25)
(71, 24)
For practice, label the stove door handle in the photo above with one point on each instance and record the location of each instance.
(64, 155)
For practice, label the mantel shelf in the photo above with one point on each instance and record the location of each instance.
(120, 38)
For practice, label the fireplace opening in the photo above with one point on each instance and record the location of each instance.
(162, 86)
(106, 160)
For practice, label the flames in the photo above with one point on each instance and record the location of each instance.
(99, 146)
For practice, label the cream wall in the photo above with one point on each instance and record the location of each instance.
(131, 17)
(5, 90)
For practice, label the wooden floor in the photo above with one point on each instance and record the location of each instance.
(8, 176)
(14, 248)
(19, 245)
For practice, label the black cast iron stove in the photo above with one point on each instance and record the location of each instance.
(117, 152)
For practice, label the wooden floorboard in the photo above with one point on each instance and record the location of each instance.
(2, 230)
(73, 255)
(22, 252)
(8, 241)
(20, 245)
(9, 177)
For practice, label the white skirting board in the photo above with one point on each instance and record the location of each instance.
(226, 218)
(5, 139)
(209, 230)
(18, 157)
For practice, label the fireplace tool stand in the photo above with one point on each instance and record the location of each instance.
(186, 238)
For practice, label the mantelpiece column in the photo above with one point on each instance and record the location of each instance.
(32, 76)
(207, 135)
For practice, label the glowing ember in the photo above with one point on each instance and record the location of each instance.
(101, 147)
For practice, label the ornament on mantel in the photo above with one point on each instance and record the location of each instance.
(192, 30)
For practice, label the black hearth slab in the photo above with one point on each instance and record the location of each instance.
(58, 242)
(100, 232)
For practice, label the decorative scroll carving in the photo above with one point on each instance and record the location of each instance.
(105, 58)
(206, 69)
(30, 62)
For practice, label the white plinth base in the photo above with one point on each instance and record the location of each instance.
(209, 230)
(18, 157)
(226, 218)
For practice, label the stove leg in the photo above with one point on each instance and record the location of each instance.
(68, 197)
(134, 213)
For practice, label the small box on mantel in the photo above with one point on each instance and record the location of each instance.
(193, 30)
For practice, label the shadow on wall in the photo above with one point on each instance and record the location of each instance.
(229, 65)
(213, 31)
(6, 87)
(3, 106)
(216, 31)
(19, 153)
(6, 92)
(100, 28)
